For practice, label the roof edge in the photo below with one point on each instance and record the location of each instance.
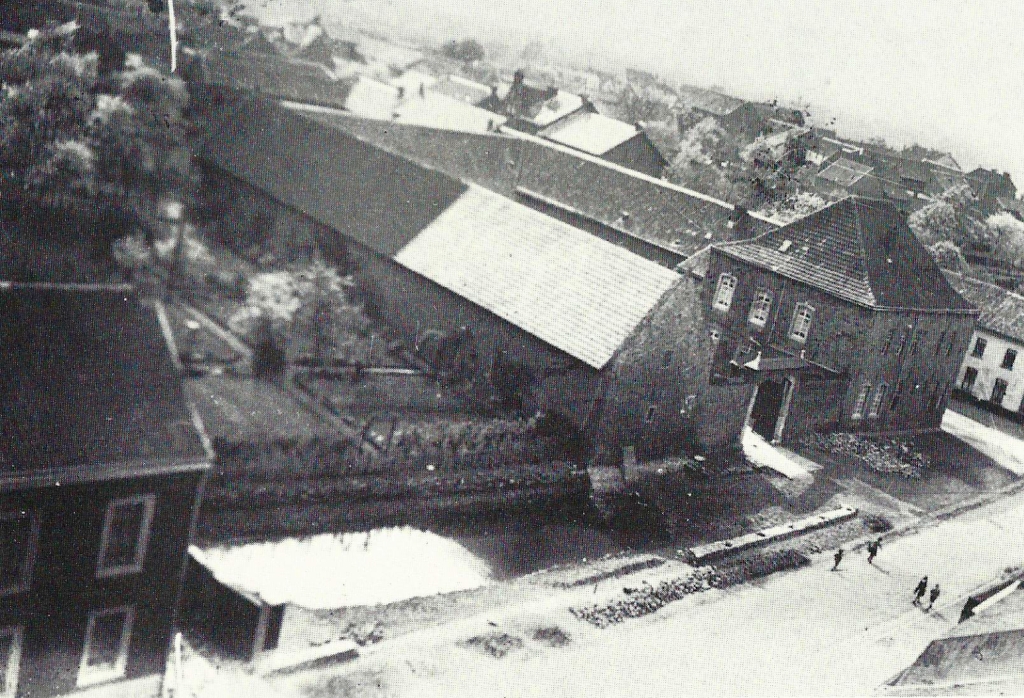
(101, 472)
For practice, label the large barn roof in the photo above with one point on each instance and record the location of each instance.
(90, 389)
(660, 213)
(857, 249)
(573, 290)
(569, 288)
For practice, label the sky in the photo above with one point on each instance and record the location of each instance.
(944, 73)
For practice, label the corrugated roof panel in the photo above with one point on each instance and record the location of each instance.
(574, 291)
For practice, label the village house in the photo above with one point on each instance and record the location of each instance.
(609, 139)
(840, 320)
(103, 464)
(521, 307)
(989, 186)
(530, 108)
(993, 368)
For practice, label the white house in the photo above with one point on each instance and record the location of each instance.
(993, 369)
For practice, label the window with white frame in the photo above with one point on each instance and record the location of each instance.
(761, 308)
(723, 294)
(10, 659)
(125, 535)
(19, 535)
(802, 317)
(107, 636)
(862, 400)
(876, 401)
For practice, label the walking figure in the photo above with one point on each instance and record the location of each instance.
(919, 590)
(873, 547)
(838, 557)
(932, 597)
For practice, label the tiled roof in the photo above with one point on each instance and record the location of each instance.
(860, 250)
(381, 200)
(845, 172)
(945, 160)
(462, 89)
(575, 291)
(1002, 311)
(439, 111)
(659, 213)
(274, 76)
(712, 102)
(592, 133)
(88, 382)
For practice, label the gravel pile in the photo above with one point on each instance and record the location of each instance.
(882, 454)
(643, 601)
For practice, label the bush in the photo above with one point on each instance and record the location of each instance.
(554, 636)
(877, 523)
(468, 51)
(496, 644)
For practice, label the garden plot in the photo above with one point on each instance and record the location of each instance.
(352, 569)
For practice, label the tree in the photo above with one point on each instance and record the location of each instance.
(467, 50)
(948, 256)
(1008, 237)
(86, 159)
(954, 217)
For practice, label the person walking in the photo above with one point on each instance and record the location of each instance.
(838, 557)
(873, 547)
(932, 597)
(919, 590)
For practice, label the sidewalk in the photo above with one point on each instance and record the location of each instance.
(1000, 447)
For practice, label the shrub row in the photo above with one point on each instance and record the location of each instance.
(883, 454)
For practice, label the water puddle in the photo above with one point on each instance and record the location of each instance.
(349, 569)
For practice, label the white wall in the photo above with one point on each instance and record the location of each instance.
(989, 369)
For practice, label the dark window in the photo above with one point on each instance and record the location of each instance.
(896, 396)
(938, 344)
(888, 341)
(650, 413)
(105, 655)
(1008, 359)
(667, 359)
(999, 391)
(902, 344)
(18, 533)
(970, 375)
(125, 535)
(979, 348)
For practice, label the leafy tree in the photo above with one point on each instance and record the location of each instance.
(948, 256)
(954, 217)
(1008, 237)
(467, 51)
(86, 159)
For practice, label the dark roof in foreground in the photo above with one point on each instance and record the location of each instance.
(89, 385)
(857, 249)
(1002, 311)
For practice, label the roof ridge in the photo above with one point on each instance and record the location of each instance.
(855, 203)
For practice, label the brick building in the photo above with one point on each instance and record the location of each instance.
(839, 320)
(521, 306)
(102, 468)
(993, 369)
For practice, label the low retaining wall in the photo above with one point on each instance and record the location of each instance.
(703, 554)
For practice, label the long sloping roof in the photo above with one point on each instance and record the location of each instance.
(658, 212)
(857, 249)
(571, 289)
(1002, 311)
(88, 383)
(592, 133)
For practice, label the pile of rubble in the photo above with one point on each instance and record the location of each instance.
(882, 454)
(648, 599)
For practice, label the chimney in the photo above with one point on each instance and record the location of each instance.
(423, 90)
(517, 77)
(639, 125)
(401, 92)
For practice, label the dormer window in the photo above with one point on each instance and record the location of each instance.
(724, 292)
(802, 317)
(761, 308)
(786, 244)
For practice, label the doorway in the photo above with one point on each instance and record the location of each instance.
(767, 407)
